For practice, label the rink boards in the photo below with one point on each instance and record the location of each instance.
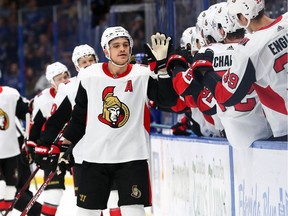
(193, 176)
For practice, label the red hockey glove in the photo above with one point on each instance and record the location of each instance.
(158, 52)
(42, 156)
(57, 161)
(28, 151)
(54, 154)
(202, 64)
(178, 58)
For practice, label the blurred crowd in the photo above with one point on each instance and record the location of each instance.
(38, 36)
(37, 43)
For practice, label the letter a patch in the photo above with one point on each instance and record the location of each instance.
(129, 87)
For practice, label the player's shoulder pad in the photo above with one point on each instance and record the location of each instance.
(10, 90)
(89, 71)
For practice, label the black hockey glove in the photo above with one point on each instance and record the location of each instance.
(203, 62)
(65, 163)
(42, 156)
(158, 52)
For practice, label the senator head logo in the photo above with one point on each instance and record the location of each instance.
(115, 113)
(4, 120)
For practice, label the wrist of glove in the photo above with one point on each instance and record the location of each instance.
(202, 64)
(42, 156)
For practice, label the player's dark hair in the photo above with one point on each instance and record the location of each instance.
(238, 34)
(210, 39)
(260, 15)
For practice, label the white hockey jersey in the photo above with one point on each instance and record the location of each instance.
(261, 61)
(117, 118)
(43, 102)
(8, 134)
(244, 122)
(69, 90)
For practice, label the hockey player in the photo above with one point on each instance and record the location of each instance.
(111, 109)
(209, 122)
(185, 121)
(11, 104)
(56, 73)
(82, 57)
(260, 62)
(246, 117)
(24, 172)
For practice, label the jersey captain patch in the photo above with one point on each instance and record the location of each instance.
(129, 87)
(115, 113)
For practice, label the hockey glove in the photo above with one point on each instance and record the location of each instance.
(158, 52)
(42, 156)
(54, 154)
(28, 151)
(65, 163)
(202, 64)
(180, 129)
(179, 58)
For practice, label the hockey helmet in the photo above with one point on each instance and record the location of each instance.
(228, 22)
(83, 50)
(248, 8)
(55, 69)
(114, 32)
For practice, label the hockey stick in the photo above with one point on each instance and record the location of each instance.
(27, 130)
(32, 175)
(44, 185)
(22, 190)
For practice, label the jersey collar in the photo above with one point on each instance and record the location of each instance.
(107, 72)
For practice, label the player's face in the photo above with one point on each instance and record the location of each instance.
(86, 61)
(61, 78)
(119, 50)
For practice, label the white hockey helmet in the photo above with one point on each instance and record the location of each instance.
(54, 70)
(194, 38)
(114, 32)
(186, 37)
(200, 21)
(199, 27)
(228, 22)
(248, 8)
(210, 27)
(83, 50)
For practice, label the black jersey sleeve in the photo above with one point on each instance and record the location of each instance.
(56, 122)
(161, 91)
(35, 130)
(22, 108)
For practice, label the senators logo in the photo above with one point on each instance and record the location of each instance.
(115, 113)
(136, 193)
(4, 120)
